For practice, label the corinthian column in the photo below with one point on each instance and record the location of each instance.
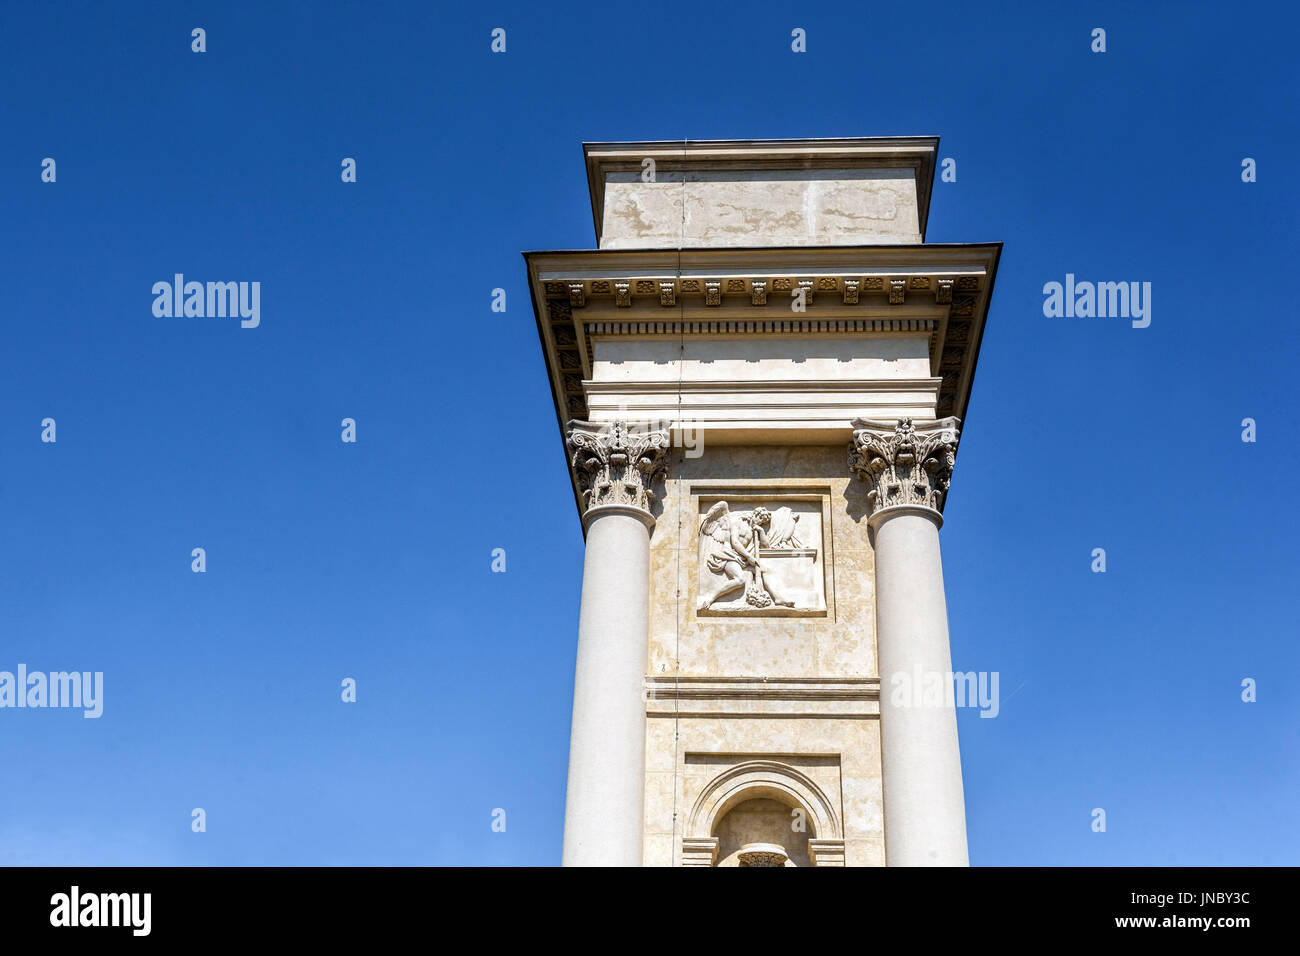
(604, 813)
(907, 468)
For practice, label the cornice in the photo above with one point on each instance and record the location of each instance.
(576, 295)
(939, 290)
(739, 260)
(895, 286)
(886, 385)
(955, 328)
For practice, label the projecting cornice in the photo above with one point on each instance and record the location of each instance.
(941, 291)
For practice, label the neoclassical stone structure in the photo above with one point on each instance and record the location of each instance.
(759, 377)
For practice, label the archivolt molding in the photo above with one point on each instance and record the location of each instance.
(762, 778)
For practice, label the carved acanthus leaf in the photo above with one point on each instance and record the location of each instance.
(903, 463)
(617, 463)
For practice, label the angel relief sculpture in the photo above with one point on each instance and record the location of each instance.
(733, 575)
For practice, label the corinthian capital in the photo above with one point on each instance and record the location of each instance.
(616, 462)
(904, 464)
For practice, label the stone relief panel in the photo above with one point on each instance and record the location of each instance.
(761, 561)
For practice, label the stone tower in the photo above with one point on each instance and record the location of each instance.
(759, 377)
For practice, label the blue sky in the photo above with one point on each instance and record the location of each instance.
(1120, 690)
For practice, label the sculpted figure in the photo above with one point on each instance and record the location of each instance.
(731, 541)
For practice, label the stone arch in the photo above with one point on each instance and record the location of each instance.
(756, 779)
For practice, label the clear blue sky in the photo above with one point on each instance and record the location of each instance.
(1120, 690)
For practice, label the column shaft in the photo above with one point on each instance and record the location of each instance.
(604, 814)
(907, 467)
(925, 811)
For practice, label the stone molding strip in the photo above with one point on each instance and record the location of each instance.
(582, 292)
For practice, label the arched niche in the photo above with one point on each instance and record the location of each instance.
(751, 785)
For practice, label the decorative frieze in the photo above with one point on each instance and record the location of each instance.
(768, 325)
(576, 310)
(904, 464)
(580, 293)
(616, 463)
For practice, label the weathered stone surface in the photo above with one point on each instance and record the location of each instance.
(761, 208)
(765, 685)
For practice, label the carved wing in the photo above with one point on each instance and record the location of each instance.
(717, 524)
(782, 531)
